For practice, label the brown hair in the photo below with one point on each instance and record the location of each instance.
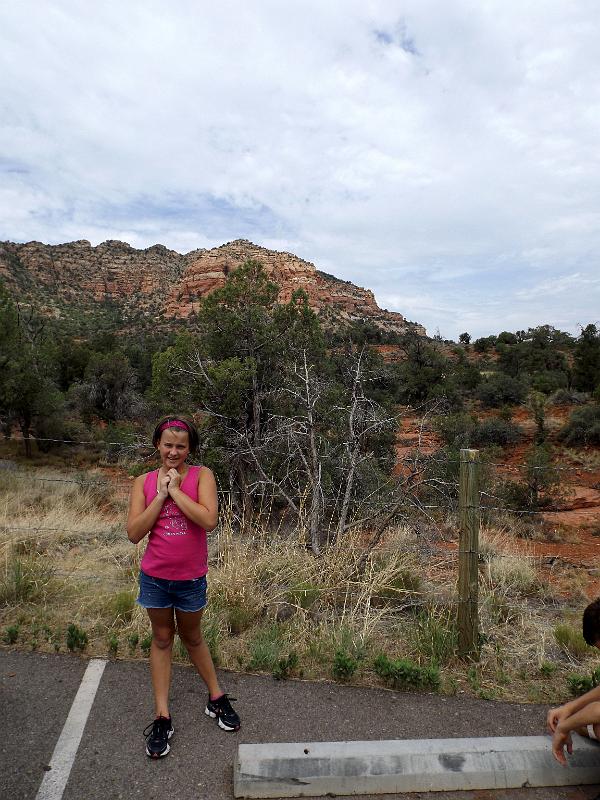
(591, 623)
(188, 428)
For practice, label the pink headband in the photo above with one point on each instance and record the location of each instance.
(174, 423)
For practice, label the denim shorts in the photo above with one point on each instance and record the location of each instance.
(182, 595)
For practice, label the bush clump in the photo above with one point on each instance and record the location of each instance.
(122, 605)
(580, 684)
(397, 590)
(344, 666)
(77, 638)
(406, 674)
(495, 431)
(303, 594)
(500, 389)
(435, 635)
(25, 581)
(583, 427)
(514, 574)
(456, 429)
(540, 484)
(11, 634)
(265, 649)
(464, 430)
(567, 397)
(240, 618)
(286, 666)
(571, 641)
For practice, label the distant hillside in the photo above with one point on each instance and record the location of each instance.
(161, 285)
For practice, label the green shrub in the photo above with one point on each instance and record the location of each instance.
(435, 635)
(133, 641)
(303, 594)
(547, 668)
(25, 581)
(513, 574)
(456, 429)
(146, 644)
(398, 590)
(119, 437)
(286, 666)
(484, 344)
(77, 638)
(239, 618)
(549, 381)
(506, 413)
(11, 634)
(580, 684)
(540, 486)
(500, 389)
(583, 427)
(567, 397)
(122, 605)
(571, 641)
(406, 674)
(344, 666)
(113, 644)
(265, 649)
(495, 431)
(463, 430)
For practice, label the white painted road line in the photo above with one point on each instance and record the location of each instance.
(55, 780)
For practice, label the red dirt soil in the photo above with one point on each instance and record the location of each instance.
(572, 529)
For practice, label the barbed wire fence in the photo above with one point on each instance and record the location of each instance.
(463, 498)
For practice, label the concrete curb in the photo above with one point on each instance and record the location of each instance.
(408, 765)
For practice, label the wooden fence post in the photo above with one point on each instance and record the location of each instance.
(468, 555)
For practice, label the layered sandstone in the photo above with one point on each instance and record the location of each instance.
(161, 282)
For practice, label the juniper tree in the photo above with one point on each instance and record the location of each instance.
(28, 391)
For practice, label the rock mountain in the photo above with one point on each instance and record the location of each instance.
(165, 286)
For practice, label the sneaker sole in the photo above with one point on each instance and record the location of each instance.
(219, 722)
(164, 752)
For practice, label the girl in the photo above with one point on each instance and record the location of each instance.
(177, 505)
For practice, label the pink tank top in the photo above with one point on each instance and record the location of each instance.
(176, 549)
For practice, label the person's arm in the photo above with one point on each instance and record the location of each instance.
(556, 715)
(140, 518)
(205, 512)
(588, 715)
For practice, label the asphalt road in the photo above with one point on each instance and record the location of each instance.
(36, 693)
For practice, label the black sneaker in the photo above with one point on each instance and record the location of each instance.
(157, 736)
(224, 713)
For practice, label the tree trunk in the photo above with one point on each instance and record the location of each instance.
(26, 430)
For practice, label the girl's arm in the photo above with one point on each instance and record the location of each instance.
(557, 715)
(141, 518)
(205, 512)
(588, 715)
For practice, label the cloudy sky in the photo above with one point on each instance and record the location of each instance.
(444, 154)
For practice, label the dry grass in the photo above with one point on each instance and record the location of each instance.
(65, 560)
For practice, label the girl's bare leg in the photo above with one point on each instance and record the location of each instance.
(161, 651)
(585, 732)
(190, 633)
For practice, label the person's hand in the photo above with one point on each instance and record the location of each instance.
(174, 480)
(555, 717)
(559, 741)
(163, 485)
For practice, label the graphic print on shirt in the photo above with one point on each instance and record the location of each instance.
(174, 522)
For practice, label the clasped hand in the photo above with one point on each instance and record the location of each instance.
(169, 482)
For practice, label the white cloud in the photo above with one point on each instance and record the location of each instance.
(444, 158)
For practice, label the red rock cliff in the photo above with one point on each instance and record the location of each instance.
(167, 284)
